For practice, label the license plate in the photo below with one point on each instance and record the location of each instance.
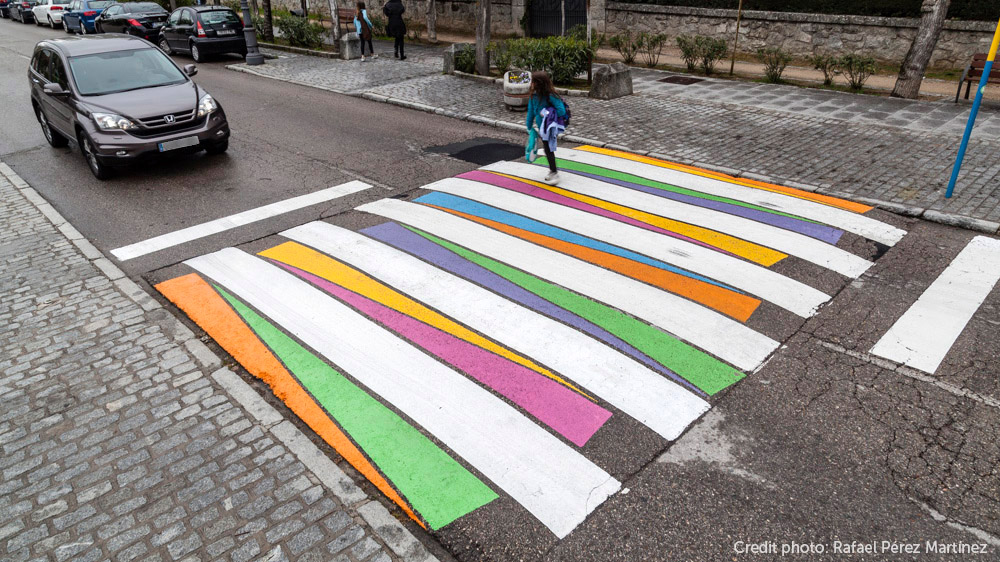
(226, 32)
(179, 143)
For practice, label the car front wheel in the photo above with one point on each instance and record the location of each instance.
(99, 170)
(52, 23)
(83, 28)
(54, 138)
(165, 46)
(98, 28)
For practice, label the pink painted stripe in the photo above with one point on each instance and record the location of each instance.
(565, 411)
(528, 189)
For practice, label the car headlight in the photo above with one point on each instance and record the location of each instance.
(112, 122)
(206, 105)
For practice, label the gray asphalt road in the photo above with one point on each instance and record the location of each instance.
(287, 141)
(821, 445)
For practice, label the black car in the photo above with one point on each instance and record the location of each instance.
(141, 19)
(5, 8)
(121, 100)
(203, 30)
(21, 10)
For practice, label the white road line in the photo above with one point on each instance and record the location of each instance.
(216, 226)
(846, 220)
(925, 333)
(555, 483)
(791, 243)
(727, 339)
(785, 292)
(659, 403)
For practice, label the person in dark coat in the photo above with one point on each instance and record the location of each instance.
(393, 10)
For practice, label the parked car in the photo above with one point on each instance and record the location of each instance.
(121, 99)
(5, 8)
(203, 30)
(141, 19)
(80, 15)
(21, 11)
(49, 12)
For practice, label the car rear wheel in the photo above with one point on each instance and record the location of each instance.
(54, 138)
(66, 26)
(196, 55)
(83, 28)
(98, 28)
(51, 23)
(99, 170)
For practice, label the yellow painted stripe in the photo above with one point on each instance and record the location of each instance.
(748, 250)
(790, 191)
(995, 45)
(321, 265)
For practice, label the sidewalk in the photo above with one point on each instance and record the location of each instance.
(124, 437)
(895, 153)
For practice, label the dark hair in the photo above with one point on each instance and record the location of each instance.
(361, 5)
(541, 85)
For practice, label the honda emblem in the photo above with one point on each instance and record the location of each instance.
(169, 118)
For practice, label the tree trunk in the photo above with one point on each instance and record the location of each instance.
(268, 21)
(483, 37)
(911, 74)
(562, 20)
(173, 5)
(334, 9)
(432, 34)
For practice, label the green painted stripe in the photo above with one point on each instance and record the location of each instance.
(438, 487)
(702, 370)
(622, 176)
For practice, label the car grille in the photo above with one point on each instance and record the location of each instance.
(155, 126)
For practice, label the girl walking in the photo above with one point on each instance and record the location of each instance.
(393, 10)
(547, 111)
(364, 27)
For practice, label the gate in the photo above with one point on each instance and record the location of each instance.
(546, 16)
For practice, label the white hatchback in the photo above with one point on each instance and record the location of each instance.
(49, 12)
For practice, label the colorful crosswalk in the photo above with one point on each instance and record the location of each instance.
(480, 338)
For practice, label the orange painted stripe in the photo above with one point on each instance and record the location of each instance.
(723, 300)
(797, 193)
(200, 302)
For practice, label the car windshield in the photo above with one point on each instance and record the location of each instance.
(219, 16)
(121, 71)
(143, 7)
(99, 4)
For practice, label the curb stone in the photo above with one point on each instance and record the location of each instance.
(396, 537)
(948, 219)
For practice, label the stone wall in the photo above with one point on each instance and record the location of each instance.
(804, 34)
(454, 15)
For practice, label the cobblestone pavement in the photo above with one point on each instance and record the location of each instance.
(125, 438)
(827, 140)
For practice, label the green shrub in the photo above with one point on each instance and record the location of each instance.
(651, 46)
(300, 32)
(578, 32)
(378, 25)
(563, 58)
(465, 60)
(710, 51)
(627, 45)
(775, 60)
(413, 29)
(829, 64)
(858, 69)
(689, 51)
(501, 55)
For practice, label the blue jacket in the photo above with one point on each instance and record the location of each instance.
(357, 24)
(535, 107)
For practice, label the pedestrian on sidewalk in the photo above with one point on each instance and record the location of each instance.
(393, 10)
(548, 112)
(364, 27)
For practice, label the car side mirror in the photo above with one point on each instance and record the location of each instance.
(54, 89)
(190, 69)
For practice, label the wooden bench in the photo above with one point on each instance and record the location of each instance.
(345, 17)
(974, 73)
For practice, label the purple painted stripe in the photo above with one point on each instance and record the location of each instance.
(822, 232)
(565, 411)
(528, 189)
(395, 235)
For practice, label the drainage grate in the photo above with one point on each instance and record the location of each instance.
(480, 151)
(682, 80)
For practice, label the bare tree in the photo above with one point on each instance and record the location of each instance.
(483, 37)
(911, 74)
(268, 31)
(432, 34)
(334, 14)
